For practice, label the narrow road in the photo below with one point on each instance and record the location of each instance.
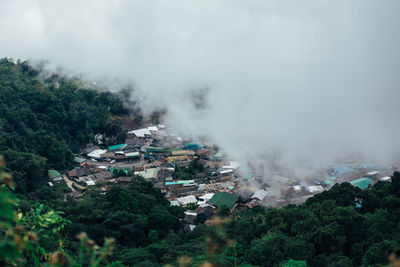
(69, 183)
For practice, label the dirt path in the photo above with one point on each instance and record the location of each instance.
(69, 183)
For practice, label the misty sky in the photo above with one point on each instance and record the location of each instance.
(315, 79)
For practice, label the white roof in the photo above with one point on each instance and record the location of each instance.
(187, 200)
(90, 182)
(192, 226)
(96, 154)
(372, 173)
(207, 196)
(153, 128)
(102, 167)
(140, 132)
(260, 194)
(132, 154)
(297, 187)
(386, 178)
(161, 126)
(315, 188)
(203, 205)
(226, 171)
(174, 203)
(50, 184)
(179, 139)
(232, 165)
(190, 213)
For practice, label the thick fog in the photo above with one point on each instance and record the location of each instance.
(313, 81)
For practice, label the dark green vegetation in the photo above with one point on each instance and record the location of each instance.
(44, 120)
(189, 172)
(344, 226)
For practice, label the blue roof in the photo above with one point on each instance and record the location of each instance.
(327, 182)
(362, 183)
(343, 169)
(333, 178)
(111, 148)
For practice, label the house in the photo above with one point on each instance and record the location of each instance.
(89, 148)
(204, 212)
(174, 203)
(141, 133)
(232, 165)
(87, 179)
(190, 217)
(259, 195)
(152, 128)
(96, 154)
(223, 198)
(362, 183)
(192, 146)
(116, 147)
(183, 201)
(204, 153)
(179, 152)
(218, 156)
(79, 160)
(385, 179)
(78, 172)
(342, 169)
(205, 198)
(103, 175)
(226, 172)
(132, 155)
(55, 175)
(315, 189)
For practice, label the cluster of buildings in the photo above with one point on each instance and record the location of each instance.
(156, 155)
(361, 175)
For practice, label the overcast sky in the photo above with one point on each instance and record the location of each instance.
(315, 79)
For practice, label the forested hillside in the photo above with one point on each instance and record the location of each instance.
(344, 226)
(44, 120)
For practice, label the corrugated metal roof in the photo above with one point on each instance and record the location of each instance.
(260, 194)
(115, 147)
(223, 198)
(54, 174)
(362, 183)
(343, 169)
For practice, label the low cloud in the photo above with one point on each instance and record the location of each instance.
(312, 81)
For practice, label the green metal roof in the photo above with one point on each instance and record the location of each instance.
(223, 198)
(54, 174)
(111, 148)
(362, 183)
(79, 160)
(218, 155)
(155, 149)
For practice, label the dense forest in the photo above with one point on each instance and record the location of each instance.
(344, 226)
(44, 119)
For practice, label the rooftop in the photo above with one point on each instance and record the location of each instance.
(223, 198)
(111, 148)
(362, 183)
(54, 174)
